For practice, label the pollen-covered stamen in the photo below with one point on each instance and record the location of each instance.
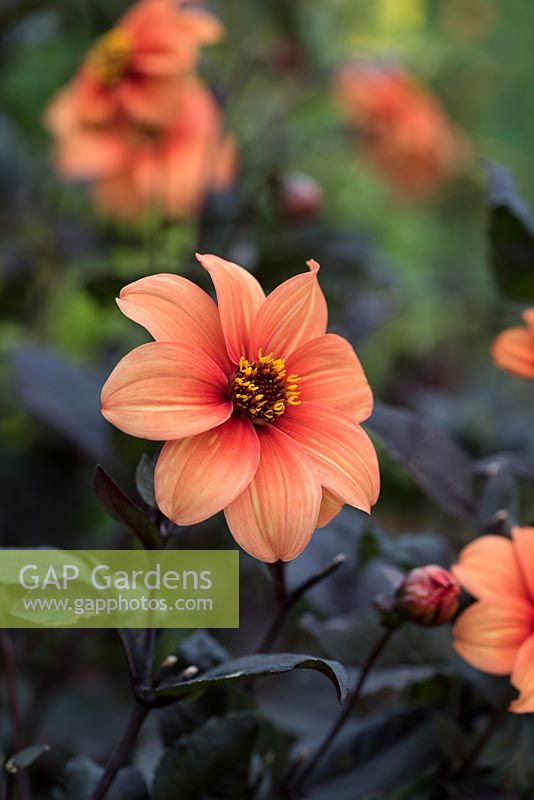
(109, 57)
(262, 389)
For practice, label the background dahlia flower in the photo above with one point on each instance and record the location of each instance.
(403, 130)
(513, 349)
(260, 408)
(134, 169)
(134, 70)
(496, 634)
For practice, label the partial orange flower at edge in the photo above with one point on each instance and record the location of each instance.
(496, 634)
(258, 405)
(513, 349)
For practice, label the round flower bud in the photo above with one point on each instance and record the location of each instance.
(428, 596)
(301, 196)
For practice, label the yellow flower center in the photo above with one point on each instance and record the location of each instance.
(262, 389)
(109, 57)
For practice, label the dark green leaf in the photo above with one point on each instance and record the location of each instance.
(257, 666)
(202, 650)
(347, 638)
(63, 395)
(376, 755)
(511, 235)
(119, 506)
(214, 757)
(405, 551)
(80, 777)
(144, 480)
(24, 758)
(439, 466)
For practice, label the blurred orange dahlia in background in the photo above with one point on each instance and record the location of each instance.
(402, 129)
(137, 124)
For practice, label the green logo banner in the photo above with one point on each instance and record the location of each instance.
(119, 589)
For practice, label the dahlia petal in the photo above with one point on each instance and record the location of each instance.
(149, 100)
(489, 633)
(330, 508)
(225, 164)
(293, 313)
(166, 390)
(339, 448)
(488, 568)
(117, 196)
(87, 155)
(513, 351)
(96, 103)
(166, 62)
(523, 545)
(523, 678)
(197, 477)
(60, 116)
(185, 173)
(239, 296)
(173, 309)
(143, 17)
(274, 518)
(206, 28)
(528, 316)
(331, 374)
(494, 661)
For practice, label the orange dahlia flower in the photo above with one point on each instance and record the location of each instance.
(403, 130)
(496, 634)
(133, 71)
(260, 408)
(134, 169)
(513, 349)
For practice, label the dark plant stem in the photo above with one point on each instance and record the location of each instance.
(443, 779)
(287, 600)
(17, 730)
(278, 573)
(346, 711)
(278, 577)
(473, 755)
(140, 662)
(122, 750)
(9, 793)
(148, 653)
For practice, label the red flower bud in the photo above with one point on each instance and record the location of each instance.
(301, 196)
(428, 596)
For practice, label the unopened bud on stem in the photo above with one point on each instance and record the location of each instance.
(428, 596)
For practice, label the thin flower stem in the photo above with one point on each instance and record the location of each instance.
(17, 730)
(141, 664)
(473, 755)
(287, 600)
(142, 708)
(9, 792)
(346, 711)
(278, 574)
(443, 779)
(122, 750)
